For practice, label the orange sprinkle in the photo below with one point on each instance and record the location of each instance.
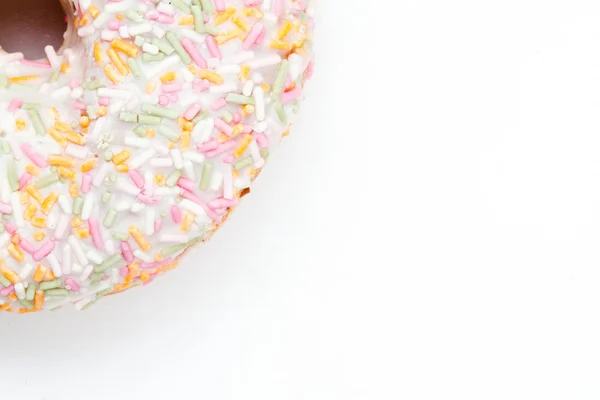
(123, 168)
(9, 273)
(88, 165)
(15, 253)
(15, 238)
(139, 237)
(25, 78)
(49, 275)
(38, 275)
(125, 47)
(94, 11)
(32, 169)
(50, 201)
(84, 121)
(38, 299)
(66, 173)
(65, 68)
(168, 77)
(82, 233)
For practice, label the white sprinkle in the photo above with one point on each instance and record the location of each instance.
(86, 30)
(61, 92)
(177, 160)
(259, 98)
(118, 93)
(101, 20)
(167, 191)
(123, 205)
(247, 89)
(150, 48)
(135, 141)
(158, 32)
(87, 270)
(228, 69)
(54, 264)
(142, 256)
(188, 168)
(114, 8)
(161, 162)
(64, 203)
(273, 59)
(143, 158)
(19, 290)
(137, 207)
(193, 36)
(216, 181)
(79, 254)
(191, 206)
(88, 207)
(109, 246)
(76, 151)
(76, 268)
(4, 238)
(94, 256)
(193, 157)
(52, 56)
(61, 226)
(127, 187)
(203, 130)
(124, 32)
(140, 29)
(243, 56)
(149, 225)
(166, 8)
(25, 271)
(157, 68)
(17, 209)
(5, 190)
(259, 162)
(187, 75)
(99, 178)
(66, 259)
(260, 127)
(108, 35)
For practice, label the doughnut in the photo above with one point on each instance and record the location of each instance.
(135, 140)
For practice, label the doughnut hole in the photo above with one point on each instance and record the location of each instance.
(27, 26)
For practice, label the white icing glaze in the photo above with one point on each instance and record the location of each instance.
(173, 152)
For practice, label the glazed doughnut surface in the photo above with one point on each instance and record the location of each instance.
(134, 141)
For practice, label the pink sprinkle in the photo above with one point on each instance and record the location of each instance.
(223, 147)
(237, 118)
(156, 264)
(95, 232)
(79, 105)
(123, 271)
(15, 105)
(27, 246)
(209, 211)
(24, 180)
(188, 45)
(291, 95)
(44, 250)
(104, 101)
(5, 208)
(186, 184)
(36, 64)
(261, 140)
(252, 36)
(166, 19)
(126, 251)
(137, 178)
(86, 183)
(208, 146)
(163, 100)
(223, 126)
(176, 214)
(34, 157)
(171, 87)
(74, 84)
(213, 49)
(247, 128)
(261, 37)
(10, 228)
(157, 225)
(278, 8)
(192, 111)
(220, 5)
(218, 104)
(114, 25)
(7, 290)
(252, 3)
(310, 69)
(223, 203)
(229, 159)
(173, 97)
(72, 284)
(152, 15)
(201, 86)
(144, 198)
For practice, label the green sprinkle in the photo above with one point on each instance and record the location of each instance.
(102, 293)
(30, 293)
(185, 57)
(77, 205)
(198, 20)
(167, 251)
(2, 228)
(128, 116)
(31, 106)
(134, 16)
(180, 5)
(109, 262)
(173, 178)
(55, 76)
(239, 99)
(112, 177)
(120, 236)
(139, 41)
(135, 68)
(4, 282)
(5, 147)
(20, 86)
(206, 175)
(140, 130)
(50, 284)
(57, 292)
(227, 116)
(163, 45)
(211, 29)
(108, 155)
(264, 152)
(207, 6)
(96, 277)
(106, 197)
(159, 111)
(3, 81)
(91, 112)
(36, 120)
(26, 303)
(95, 84)
(280, 112)
(109, 218)
(147, 57)
(244, 162)
(168, 133)
(148, 120)
(202, 115)
(11, 174)
(279, 83)
(88, 305)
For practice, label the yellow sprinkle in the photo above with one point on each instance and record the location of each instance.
(159, 179)
(240, 23)
(237, 129)
(121, 157)
(88, 165)
(82, 233)
(63, 161)
(139, 237)
(266, 87)
(94, 11)
(20, 124)
(224, 16)
(168, 77)
(244, 72)
(62, 126)
(57, 136)
(32, 169)
(125, 47)
(65, 68)
(118, 62)
(16, 253)
(76, 222)
(186, 20)
(9, 273)
(247, 109)
(33, 192)
(38, 299)
(24, 78)
(187, 221)
(29, 212)
(123, 168)
(284, 30)
(150, 86)
(39, 236)
(49, 202)
(112, 74)
(38, 222)
(75, 138)
(227, 36)
(25, 198)
(73, 190)
(66, 173)
(210, 76)
(280, 45)
(102, 110)
(39, 273)
(246, 139)
(150, 133)
(185, 139)
(98, 52)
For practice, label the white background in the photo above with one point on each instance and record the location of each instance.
(431, 230)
